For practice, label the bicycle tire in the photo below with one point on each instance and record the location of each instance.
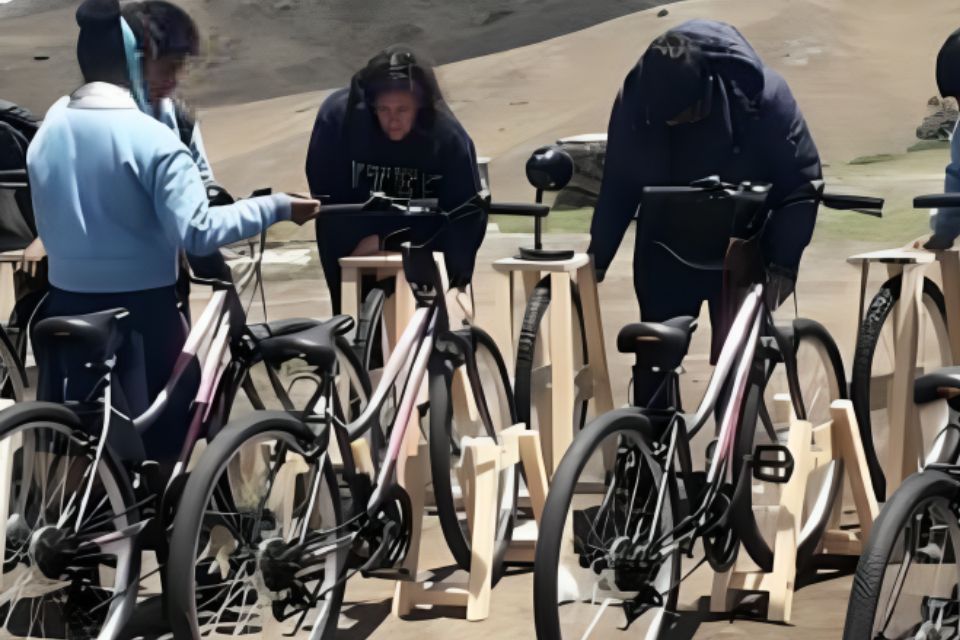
(745, 519)
(553, 523)
(117, 493)
(13, 376)
(191, 514)
(537, 306)
(868, 580)
(455, 530)
(867, 337)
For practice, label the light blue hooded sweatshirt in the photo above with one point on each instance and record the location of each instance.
(946, 222)
(116, 195)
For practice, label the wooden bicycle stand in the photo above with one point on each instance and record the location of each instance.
(552, 379)
(812, 447)
(10, 263)
(903, 416)
(399, 307)
(482, 461)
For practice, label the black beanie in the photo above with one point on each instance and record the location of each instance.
(672, 76)
(100, 49)
(948, 67)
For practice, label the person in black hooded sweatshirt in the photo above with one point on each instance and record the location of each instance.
(700, 102)
(390, 131)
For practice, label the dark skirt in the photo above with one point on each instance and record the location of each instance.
(157, 332)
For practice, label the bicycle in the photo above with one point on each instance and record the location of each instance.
(906, 585)
(284, 571)
(626, 504)
(13, 373)
(877, 343)
(80, 500)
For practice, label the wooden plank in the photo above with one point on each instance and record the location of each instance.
(950, 270)
(902, 446)
(593, 321)
(547, 266)
(480, 462)
(560, 429)
(412, 475)
(848, 444)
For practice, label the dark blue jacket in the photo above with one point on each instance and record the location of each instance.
(755, 131)
(350, 157)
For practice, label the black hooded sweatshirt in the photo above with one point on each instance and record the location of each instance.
(350, 157)
(754, 131)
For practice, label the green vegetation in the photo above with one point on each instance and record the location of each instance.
(880, 157)
(568, 221)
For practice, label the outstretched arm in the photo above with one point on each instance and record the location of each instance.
(794, 162)
(180, 202)
(620, 191)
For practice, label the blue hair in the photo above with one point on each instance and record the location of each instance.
(134, 59)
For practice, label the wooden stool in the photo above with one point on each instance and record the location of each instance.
(911, 264)
(479, 474)
(812, 448)
(399, 307)
(10, 263)
(594, 381)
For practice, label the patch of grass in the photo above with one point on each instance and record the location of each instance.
(880, 157)
(568, 221)
(927, 145)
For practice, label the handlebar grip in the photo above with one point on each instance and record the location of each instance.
(937, 200)
(518, 209)
(849, 203)
(13, 179)
(339, 209)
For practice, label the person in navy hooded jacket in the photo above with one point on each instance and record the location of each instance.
(391, 132)
(701, 102)
(117, 196)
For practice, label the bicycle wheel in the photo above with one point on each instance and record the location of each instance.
(12, 376)
(906, 581)
(70, 560)
(873, 366)
(454, 421)
(603, 559)
(250, 553)
(821, 379)
(530, 374)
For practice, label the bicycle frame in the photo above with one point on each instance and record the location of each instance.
(736, 359)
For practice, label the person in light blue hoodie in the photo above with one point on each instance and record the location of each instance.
(117, 196)
(946, 222)
(166, 37)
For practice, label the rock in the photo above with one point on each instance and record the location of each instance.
(940, 121)
(662, 13)
(588, 153)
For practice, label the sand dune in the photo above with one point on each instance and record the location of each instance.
(861, 69)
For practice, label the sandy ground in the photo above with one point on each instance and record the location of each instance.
(256, 49)
(861, 69)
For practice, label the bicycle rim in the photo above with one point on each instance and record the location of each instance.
(256, 520)
(70, 565)
(585, 585)
(458, 403)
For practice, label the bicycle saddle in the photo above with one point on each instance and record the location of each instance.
(942, 384)
(283, 327)
(658, 344)
(315, 345)
(97, 335)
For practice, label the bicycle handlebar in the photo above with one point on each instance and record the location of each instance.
(937, 200)
(519, 209)
(13, 179)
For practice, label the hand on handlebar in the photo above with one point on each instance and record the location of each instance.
(936, 242)
(303, 210)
